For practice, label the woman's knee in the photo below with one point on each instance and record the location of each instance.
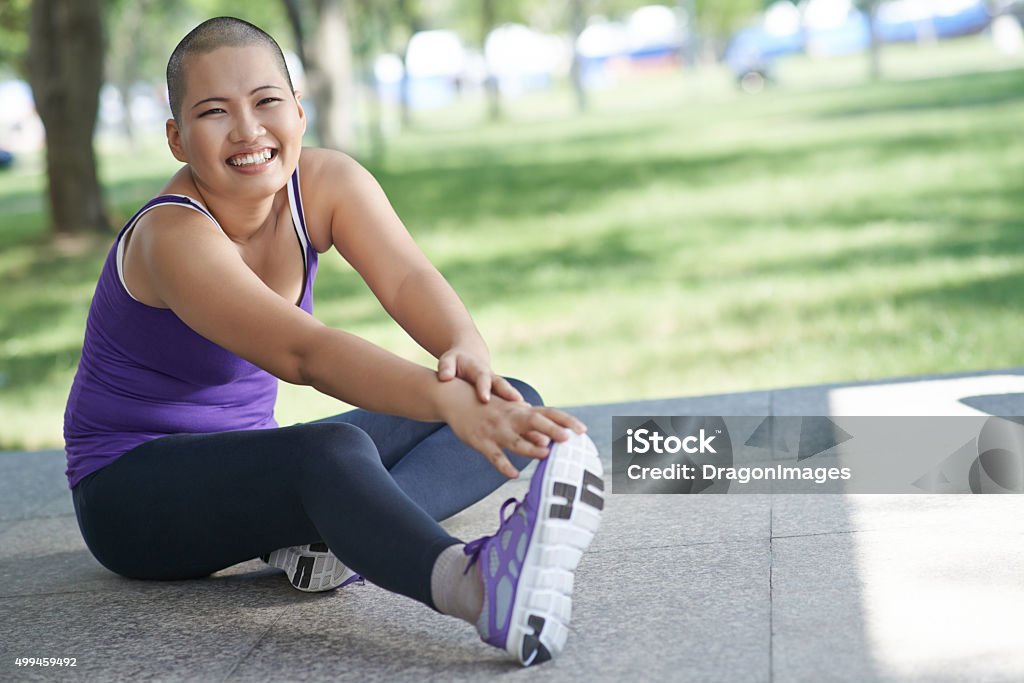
(529, 393)
(332, 446)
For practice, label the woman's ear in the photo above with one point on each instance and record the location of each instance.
(302, 112)
(174, 140)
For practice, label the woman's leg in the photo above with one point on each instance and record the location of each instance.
(187, 505)
(434, 468)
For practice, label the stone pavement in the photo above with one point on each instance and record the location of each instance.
(674, 588)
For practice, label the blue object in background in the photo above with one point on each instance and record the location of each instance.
(754, 49)
(6, 159)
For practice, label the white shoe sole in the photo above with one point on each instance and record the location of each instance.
(569, 514)
(310, 568)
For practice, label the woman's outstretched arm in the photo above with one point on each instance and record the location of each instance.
(365, 229)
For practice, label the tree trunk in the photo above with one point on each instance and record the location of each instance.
(329, 75)
(410, 14)
(876, 41)
(491, 85)
(688, 9)
(294, 13)
(382, 29)
(579, 20)
(65, 69)
(125, 54)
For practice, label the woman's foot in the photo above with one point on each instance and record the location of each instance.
(527, 565)
(311, 568)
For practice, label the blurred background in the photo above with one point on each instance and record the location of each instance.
(636, 200)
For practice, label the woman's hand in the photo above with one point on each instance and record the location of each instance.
(501, 424)
(476, 370)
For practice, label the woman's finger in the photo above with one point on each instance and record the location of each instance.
(524, 446)
(483, 386)
(497, 458)
(538, 438)
(446, 367)
(564, 419)
(503, 388)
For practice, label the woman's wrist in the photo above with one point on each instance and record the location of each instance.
(444, 398)
(471, 343)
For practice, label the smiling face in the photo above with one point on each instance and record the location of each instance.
(240, 127)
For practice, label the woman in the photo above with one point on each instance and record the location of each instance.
(176, 464)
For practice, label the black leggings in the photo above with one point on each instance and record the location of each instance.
(371, 486)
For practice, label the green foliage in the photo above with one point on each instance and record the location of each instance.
(719, 18)
(14, 16)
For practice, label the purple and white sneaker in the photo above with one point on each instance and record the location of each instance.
(311, 568)
(528, 565)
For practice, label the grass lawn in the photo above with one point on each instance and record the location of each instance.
(679, 239)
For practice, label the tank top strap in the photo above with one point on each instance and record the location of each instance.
(161, 200)
(298, 215)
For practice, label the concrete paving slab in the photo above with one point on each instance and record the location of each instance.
(697, 613)
(818, 629)
(33, 485)
(801, 515)
(639, 522)
(899, 605)
(188, 631)
(48, 556)
(621, 606)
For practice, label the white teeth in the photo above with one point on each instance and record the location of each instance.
(250, 159)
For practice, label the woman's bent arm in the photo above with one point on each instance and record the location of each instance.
(200, 275)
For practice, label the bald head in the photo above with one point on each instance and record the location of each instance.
(207, 37)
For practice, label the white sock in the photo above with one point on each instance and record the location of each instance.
(455, 591)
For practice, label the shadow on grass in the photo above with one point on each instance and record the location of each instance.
(958, 234)
(611, 257)
(478, 191)
(964, 91)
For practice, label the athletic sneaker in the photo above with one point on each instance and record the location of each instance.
(312, 568)
(528, 565)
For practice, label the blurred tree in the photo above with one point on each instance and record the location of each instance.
(870, 9)
(411, 18)
(577, 22)
(14, 17)
(138, 45)
(488, 22)
(326, 56)
(65, 70)
(375, 19)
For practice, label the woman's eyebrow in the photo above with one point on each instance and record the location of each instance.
(224, 99)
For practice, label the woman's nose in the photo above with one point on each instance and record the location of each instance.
(247, 127)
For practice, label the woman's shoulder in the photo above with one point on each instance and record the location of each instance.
(318, 163)
(332, 184)
(333, 176)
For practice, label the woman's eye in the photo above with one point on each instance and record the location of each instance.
(215, 110)
(269, 99)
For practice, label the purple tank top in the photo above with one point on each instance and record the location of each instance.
(145, 374)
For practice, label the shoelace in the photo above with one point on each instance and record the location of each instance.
(474, 548)
(355, 578)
